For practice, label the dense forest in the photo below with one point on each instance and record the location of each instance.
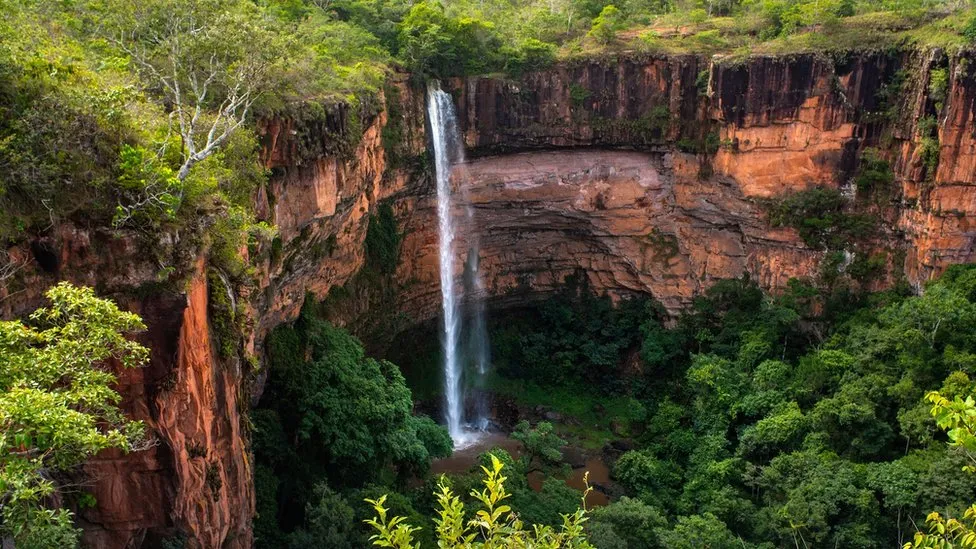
(754, 421)
(826, 415)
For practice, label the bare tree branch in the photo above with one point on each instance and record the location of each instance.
(10, 266)
(189, 82)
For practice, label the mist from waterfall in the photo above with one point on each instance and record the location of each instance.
(464, 336)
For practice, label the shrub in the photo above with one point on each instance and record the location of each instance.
(969, 30)
(938, 86)
(606, 25)
(530, 55)
(818, 215)
(59, 406)
(496, 523)
(382, 244)
(875, 176)
(433, 43)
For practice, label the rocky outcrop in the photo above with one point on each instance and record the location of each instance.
(717, 137)
(645, 173)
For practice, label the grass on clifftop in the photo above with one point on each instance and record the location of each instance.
(750, 34)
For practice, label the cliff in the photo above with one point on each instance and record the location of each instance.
(649, 174)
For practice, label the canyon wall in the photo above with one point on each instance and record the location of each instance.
(646, 173)
(651, 175)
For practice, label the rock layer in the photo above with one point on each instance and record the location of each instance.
(633, 221)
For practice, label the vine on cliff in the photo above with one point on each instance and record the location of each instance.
(819, 215)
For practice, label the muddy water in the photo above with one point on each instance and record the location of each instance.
(464, 460)
(598, 478)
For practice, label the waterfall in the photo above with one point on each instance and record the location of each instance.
(467, 354)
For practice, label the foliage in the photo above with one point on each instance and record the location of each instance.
(540, 444)
(531, 54)
(330, 523)
(332, 415)
(625, 523)
(929, 144)
(938, 86)
(819, 216)
(382, 244)
(494, 525)
(433, 43)
(698, 531)
(58, 406)
(956, 417)
(574, 335)
(606, 25)
(874, 178)
(792, 419)
(969, 31)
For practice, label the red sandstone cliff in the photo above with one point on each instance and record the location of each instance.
(575, 167)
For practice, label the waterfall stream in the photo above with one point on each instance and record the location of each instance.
(464, 337)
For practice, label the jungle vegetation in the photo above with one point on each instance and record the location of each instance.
(59, 407)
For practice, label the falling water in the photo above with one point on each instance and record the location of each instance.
(469, 354)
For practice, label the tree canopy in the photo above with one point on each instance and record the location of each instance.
(58, 406)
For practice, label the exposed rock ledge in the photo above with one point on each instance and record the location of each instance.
(634, 222)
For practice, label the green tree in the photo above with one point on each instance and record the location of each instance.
(329, 522)
(652, 479)
(698, 532)
(606, 25)
(344, 410)
(958, 418)
(541, 444)
(210, 59)
(331, 416)
(628, 523)
(58, 406)
(433, 43)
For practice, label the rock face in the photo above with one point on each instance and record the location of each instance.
(196, 481)
(633, 221)
(647, 174)
(667, 222)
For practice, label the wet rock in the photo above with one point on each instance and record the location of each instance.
(574, 457)
(552, 416)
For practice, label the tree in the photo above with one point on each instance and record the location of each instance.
(433, 43)
(209, 61)
(331, 415)
(344, 410)
(653, 480)
(58, 407)
(698, 532)
(541, 444)
(495, 525)
(628, 522)
(606, 25)
(958, 418)
(329, 523)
